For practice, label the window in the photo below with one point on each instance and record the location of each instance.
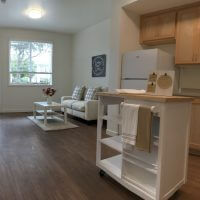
(30, 63)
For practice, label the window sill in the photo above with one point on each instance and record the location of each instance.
(21, 85)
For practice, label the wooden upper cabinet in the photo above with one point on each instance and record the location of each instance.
(188, 36)
(167, 25)
(149, 28)
(158, 28)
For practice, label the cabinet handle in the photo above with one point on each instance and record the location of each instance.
(195, 57)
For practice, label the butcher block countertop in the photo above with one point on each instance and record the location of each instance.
(148, 97)
(196, 101)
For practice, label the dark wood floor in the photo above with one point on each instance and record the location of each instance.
(61, 165)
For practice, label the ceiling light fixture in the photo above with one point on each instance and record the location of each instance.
(35, 13)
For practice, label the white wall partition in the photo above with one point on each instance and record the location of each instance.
(92, 41)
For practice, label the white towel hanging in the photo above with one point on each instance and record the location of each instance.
(129, 114)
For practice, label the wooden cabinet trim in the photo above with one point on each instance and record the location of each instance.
(170, 40)
(175, 9)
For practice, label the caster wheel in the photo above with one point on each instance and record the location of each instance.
(102, 173)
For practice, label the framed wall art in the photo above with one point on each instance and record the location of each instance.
(99, 66)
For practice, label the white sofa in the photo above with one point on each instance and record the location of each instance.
(87, 110)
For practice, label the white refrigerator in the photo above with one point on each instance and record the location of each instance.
(137, 65)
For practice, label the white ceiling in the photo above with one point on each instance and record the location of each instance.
(67, 16)
(147, 6)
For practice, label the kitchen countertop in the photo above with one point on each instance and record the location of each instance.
(196, 101)
(154, 98)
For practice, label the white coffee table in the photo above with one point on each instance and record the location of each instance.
(45, 109)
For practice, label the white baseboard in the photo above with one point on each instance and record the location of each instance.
(111, 133)
(16, 110)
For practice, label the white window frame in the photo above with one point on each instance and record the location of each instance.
(21, 72)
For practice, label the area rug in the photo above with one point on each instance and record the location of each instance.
(53, 124)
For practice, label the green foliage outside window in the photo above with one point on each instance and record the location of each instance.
(30, 63)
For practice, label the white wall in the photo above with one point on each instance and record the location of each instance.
(90, 42)
(115, 57)
(21, 98)
(124, 38)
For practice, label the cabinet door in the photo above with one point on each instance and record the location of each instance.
(187, 38)
(149, 28)
(167, 25)
(158, 29)
(195, 128)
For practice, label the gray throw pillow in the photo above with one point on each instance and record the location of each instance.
(91, 94)
(78, 93)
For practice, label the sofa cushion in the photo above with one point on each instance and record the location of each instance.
(69, 103)
(79, 106)
(78, 93)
